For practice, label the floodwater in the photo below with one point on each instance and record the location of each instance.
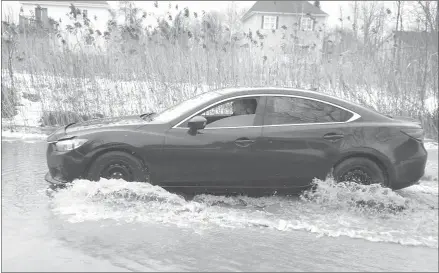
(119, 226)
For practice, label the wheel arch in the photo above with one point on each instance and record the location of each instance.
(383, 163)
(119, 148)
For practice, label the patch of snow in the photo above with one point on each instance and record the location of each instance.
(431, 145)
(431, 104)
(113, 98)
(28, 114)
(98, 95)
(6, 135)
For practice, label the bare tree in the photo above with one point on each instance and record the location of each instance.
(396, 49)
(430, 15)
(212, 25)
(341, 17)
(355, 18)
(368, 16)
(10, 41)
(373, 18)
(317, 4)
(233, 15)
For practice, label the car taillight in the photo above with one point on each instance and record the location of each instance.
(416, 133)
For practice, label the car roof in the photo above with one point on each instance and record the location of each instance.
(274, 90)
(363, 111)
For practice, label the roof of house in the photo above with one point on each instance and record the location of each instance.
(74, 2)
(90, 2)
(299, 7)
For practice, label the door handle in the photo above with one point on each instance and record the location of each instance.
(244, 142)
(333, 136)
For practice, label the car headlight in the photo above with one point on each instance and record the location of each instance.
(69, 144)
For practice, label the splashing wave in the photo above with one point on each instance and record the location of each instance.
(372, 213)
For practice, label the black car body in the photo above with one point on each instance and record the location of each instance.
(293, 137)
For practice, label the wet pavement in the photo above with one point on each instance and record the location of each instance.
(118, 226)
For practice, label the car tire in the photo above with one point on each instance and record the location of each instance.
(361, 170)
(118, 165)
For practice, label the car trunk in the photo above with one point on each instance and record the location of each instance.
(405, 119)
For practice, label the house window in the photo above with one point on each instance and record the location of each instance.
(40, 13)
(269, 22)
(307, 23)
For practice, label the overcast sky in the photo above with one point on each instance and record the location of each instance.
(330, 7)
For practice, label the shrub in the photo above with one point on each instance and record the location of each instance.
(9, 102)
(31, 97)
(60, 118)
(54, 118)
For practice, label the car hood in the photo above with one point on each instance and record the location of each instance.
(105, 123)
(125, 122)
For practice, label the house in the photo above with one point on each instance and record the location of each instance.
(49, 14)
(409, 42)
(283, 27)
(407, 46)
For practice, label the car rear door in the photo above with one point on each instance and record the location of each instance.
(301, 140)
(218, 158)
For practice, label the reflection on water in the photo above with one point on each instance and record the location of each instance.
(113, 225)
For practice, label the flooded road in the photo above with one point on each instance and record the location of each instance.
(118, 226)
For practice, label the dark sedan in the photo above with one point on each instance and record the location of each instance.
(246, 140)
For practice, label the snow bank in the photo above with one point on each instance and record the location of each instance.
(115, 98)
(8, 135)
(431, 145)
(93, 96)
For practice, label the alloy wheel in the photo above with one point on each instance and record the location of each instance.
(358, 176)
(117, 171)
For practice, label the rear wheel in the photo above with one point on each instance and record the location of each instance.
(360, 170)
(118, 165)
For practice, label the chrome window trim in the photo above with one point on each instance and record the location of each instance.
(354, 117)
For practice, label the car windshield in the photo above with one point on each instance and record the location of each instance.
(183, 107)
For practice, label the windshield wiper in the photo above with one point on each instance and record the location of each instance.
(68, 125)
(147, 115)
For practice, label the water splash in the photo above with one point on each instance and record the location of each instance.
(355, 197)
(331, 209)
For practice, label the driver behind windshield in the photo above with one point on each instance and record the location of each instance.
(244, 107)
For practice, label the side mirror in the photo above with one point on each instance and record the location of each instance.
(197, 123)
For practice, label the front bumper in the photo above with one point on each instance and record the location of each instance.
(55, 181)
(64, 167)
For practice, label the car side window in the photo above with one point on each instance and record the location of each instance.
(232, 113)
(292, 110)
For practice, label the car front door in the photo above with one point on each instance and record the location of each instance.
(300, 140)
(218, 158)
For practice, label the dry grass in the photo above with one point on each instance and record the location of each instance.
(154, 76)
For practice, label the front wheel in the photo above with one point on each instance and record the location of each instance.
(118, 165)
(360, 170)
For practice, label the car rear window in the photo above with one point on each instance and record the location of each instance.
(293, 110)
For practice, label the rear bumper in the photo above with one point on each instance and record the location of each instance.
(409, 172)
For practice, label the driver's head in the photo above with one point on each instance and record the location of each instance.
(244, 107)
